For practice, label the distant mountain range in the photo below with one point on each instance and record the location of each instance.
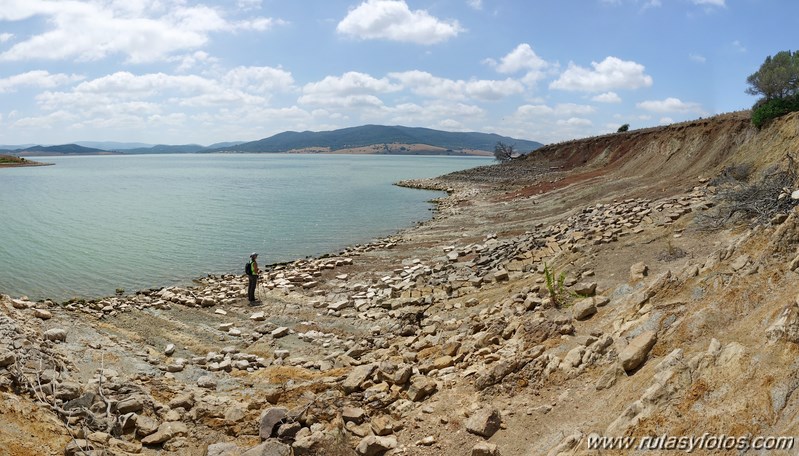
(372, 139)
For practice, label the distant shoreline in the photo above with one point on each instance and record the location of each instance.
(8, 161)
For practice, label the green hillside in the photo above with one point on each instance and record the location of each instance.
(368, 135)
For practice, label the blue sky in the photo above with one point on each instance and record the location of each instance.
(185, 71)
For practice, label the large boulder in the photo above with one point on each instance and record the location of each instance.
(635, 352)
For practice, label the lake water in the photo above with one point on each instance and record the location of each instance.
(91, 224)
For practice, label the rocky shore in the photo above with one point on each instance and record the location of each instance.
(518, 320)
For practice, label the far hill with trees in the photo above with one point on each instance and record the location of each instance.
(63, 149)
(372, 135)
(371, 139)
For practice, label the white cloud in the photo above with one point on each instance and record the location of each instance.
(611, 73)
(430, 113)
(393, 20)
(344, 101)
(475, 4)
(5, 37)
(549, 123)
(259, 79)
(739, 46)
(575, 122)
(352, 89)
(259, 24)
(154, 92)
(697, 58)
(194, 59)
(534, 110)
(143, 31)
(560, 110)
(645, 4)
(521, 58)
(248, 4)
(671, 105)
(570, 109)
(349, 83)
(37, 78)
(666, 120)
(46, 121)
(425, 84)
(721, 3)
(607, 97)
(450, 125)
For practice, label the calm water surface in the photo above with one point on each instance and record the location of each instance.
(91, 224)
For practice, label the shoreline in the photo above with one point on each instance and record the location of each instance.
(437, 205)
(24, 165)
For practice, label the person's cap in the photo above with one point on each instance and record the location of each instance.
(253, 255)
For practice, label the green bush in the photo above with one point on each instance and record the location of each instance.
(771, 109)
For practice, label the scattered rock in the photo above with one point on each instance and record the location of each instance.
(421, 387)
(7, 358)
(374, 445)
(354, 414)
(269, 448)
(638, 271)
(166, 431)
(585, 288)
(635, 353)
(223, 449)
(584, 308)
(484, 422)
(207, 381)
(42, 313)
(485, 449)
(357, 376)
(269, 418)
(56, 335)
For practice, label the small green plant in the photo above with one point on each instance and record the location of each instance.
(557, 292)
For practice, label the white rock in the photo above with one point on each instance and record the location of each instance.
(42, 313)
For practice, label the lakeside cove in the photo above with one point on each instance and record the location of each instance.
(594, 289)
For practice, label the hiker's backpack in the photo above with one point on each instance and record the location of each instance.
(248, 268)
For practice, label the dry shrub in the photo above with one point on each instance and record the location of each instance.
(733, 174)
(757, 202)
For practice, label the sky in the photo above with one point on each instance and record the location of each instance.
(204, 71)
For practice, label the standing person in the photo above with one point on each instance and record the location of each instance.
(252, 274)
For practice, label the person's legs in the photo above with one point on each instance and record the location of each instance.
(251, 287)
